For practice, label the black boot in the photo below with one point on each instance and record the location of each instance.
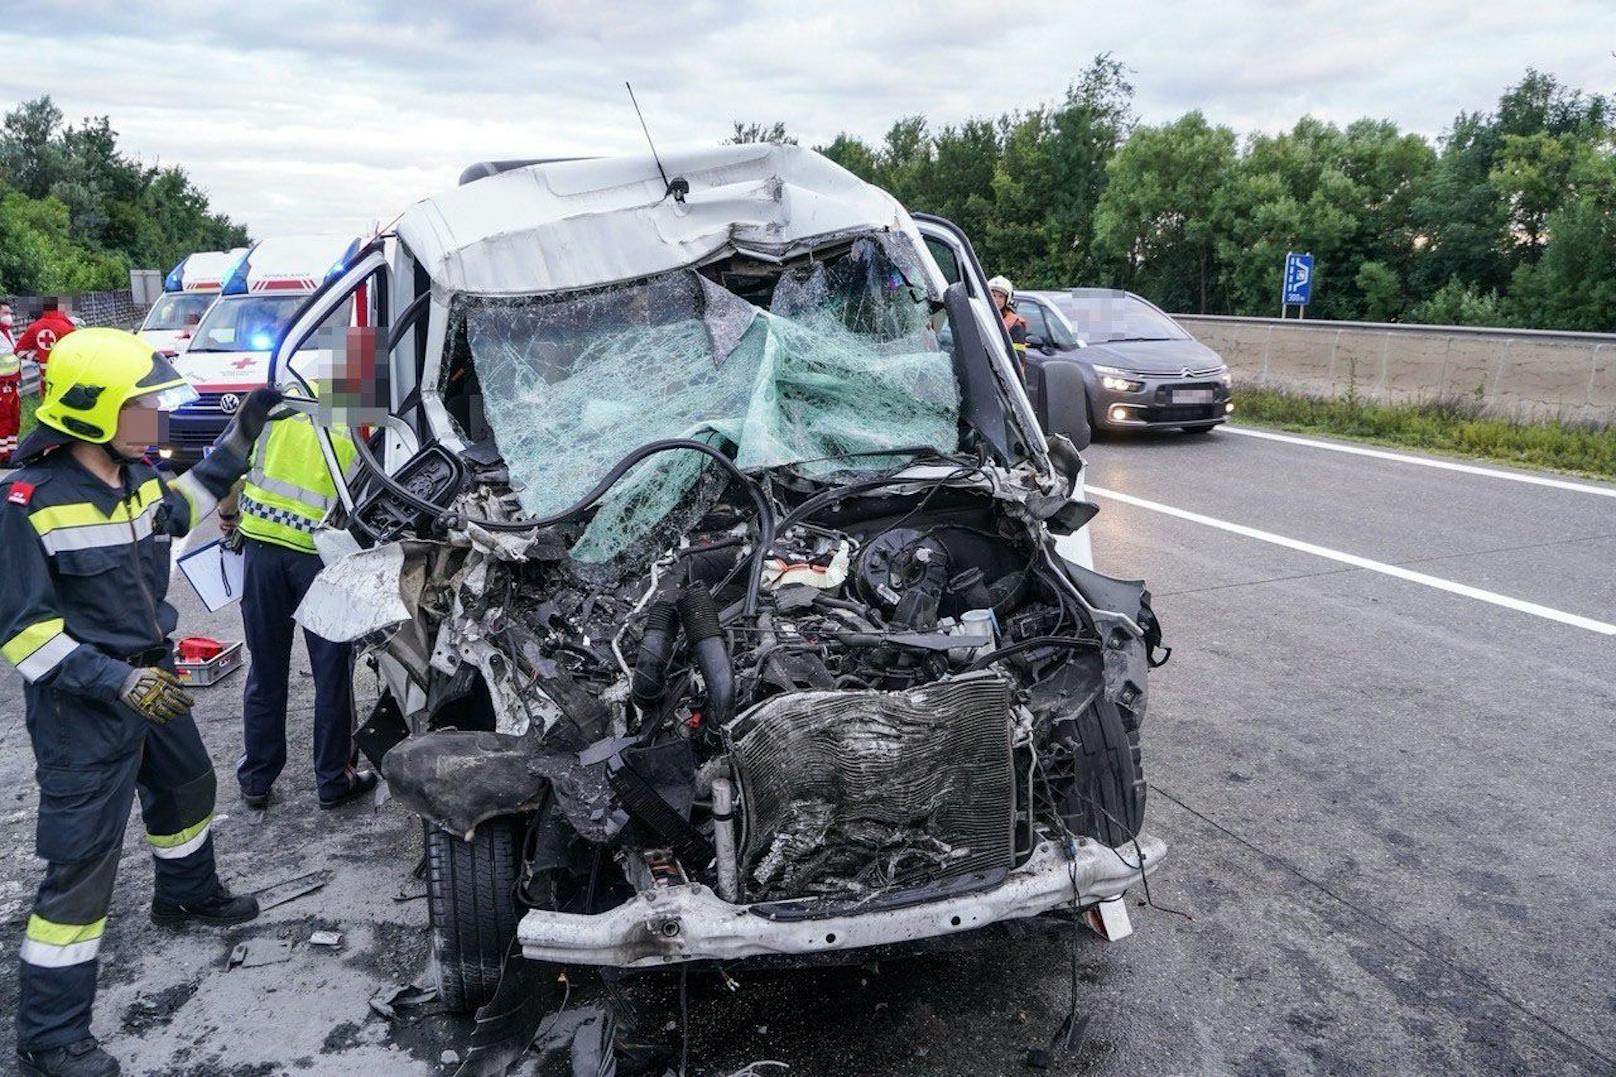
(82, 1059)
(220, 909)
(362, 782)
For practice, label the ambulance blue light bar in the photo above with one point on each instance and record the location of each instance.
(175, 281)
(235, 279)
(342, 263)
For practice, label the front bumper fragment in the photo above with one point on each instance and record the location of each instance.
(691, 923)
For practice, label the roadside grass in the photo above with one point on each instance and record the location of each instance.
(30, 404)
(1454, 428)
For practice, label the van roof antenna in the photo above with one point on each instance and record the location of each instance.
(676, 186)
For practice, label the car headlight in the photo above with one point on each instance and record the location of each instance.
(1117, 380)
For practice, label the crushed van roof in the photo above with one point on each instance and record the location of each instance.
(575, 224)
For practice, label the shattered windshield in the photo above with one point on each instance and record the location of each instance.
(823, 365)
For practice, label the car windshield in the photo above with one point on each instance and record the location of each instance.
(1107, 317)
(177, 310)
(828, 366)
(245, 323)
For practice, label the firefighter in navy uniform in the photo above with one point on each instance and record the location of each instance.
(85, 525)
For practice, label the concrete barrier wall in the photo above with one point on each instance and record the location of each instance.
(1521, 374)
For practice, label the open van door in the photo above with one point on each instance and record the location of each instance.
(335, 362)
(951, 249)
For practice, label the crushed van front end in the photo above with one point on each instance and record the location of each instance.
(721, 611)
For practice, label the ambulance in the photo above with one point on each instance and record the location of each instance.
(228, 354)
(188, 292)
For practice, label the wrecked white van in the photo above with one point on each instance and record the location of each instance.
(708, 553)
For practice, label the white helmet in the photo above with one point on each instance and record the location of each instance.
(1002, 284)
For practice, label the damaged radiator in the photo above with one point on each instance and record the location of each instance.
(852, 793)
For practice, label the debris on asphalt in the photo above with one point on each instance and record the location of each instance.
(577, 1040)
(591, 1039)
(326, 938)
(507, 1023)
(157, 1009)
(449, 1057)
(412, 998)
(402, 897)
(1067, 1039)
(256, 952)
(282, 892)
(756, 1069)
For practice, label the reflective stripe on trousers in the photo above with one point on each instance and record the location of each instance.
(53, 946)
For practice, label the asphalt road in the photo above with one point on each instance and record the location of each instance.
(1381, 756)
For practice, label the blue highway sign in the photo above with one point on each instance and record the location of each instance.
(1298, 279)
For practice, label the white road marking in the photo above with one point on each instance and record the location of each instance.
(1520, 605)
(1424, 461)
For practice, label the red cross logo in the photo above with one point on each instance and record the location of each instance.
(243, 363)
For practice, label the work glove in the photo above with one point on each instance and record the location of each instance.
(156, 694)
(248, 425)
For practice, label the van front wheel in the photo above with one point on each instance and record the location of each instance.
(472, 908)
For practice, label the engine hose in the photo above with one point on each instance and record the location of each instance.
(765, 512)
(656, 648)
(1032, 644)
(705, 638)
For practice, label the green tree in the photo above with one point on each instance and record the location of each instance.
(31, 158)
(1085, 131)
(853, 154)
(1382, 292)
(1021, 240)
(78, 211)
(38, 255)
(757, 132)
(1532, 174)
(1341, 194)
(1573, 285)
(1506, 218)
(1480, 193)
(1155, 220)
(1457, 303)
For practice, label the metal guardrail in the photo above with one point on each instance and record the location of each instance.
(1407, 327)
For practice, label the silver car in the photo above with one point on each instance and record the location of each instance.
(1141, 368)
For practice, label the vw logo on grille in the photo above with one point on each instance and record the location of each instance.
(229, 402)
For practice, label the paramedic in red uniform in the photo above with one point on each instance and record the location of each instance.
(42, 334)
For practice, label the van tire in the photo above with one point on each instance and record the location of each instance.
(471, 906)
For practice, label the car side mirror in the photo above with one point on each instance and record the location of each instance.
(1063, 403)
(1036, 341)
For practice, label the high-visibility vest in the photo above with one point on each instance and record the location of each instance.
(289, 488)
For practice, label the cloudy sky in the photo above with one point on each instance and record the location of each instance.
(300, 116)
